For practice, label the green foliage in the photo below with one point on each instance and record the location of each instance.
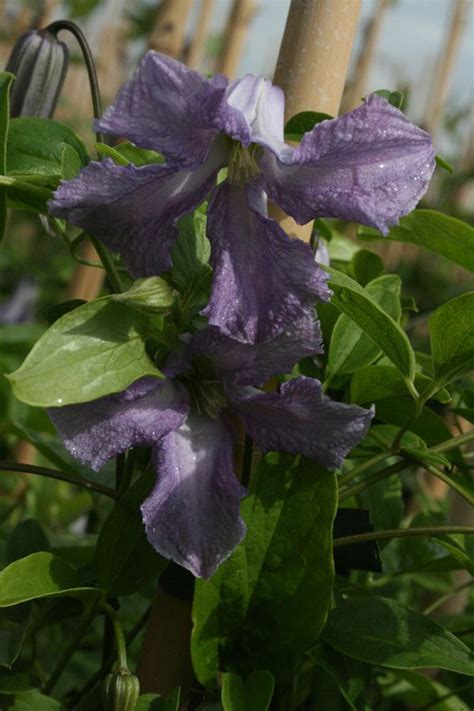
(452, 338)
(152, 295)
(124, 558)
(41, 575)
(270, 599)
(254, 692)
(384, 632)
(89, 352)
(303, 122)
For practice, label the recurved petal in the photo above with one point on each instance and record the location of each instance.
(263, 279)
(96, 431)
(302, 420)
(169, 108)
(247, 364)
(134, 210)
(371, 166)
(253, 112)
(192, 515)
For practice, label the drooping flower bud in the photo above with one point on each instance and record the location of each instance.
(120, 691)
(39, 61)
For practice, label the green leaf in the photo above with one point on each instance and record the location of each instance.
(417, 690)
(124, 558)
(452, 338)
(36, 146)
(13, 635)
(354, 301)
(152, 295)
(255, 692)
(126, 153)
(444, 235)
(270, 599)
(32, 701)
(303, 122)
(89, 352)
(41, 575)
(393, 97)
(384, 632)
(366, 266)
(351, 347)
(5, 83)
(191, 273)
(376, 382)
(154, 702)
(344, 671)
(26, 538)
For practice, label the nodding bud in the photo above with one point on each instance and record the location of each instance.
(39, 61)
(120, 691)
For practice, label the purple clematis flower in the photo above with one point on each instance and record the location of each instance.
(371, 165)
(192, 514)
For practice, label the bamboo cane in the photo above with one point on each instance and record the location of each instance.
(366, 56)
(168, 33)
(198, 41)
(235, 35)
(312, 65)
(445, 66)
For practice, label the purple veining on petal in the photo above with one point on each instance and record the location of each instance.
(192, 515)
(169, 108)
(96, 431)
(371, 166)
(134, 210)
(246, 364)
(255, 113)
(302, 420)
(263, 279)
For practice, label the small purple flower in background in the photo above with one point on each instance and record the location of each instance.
(192, 515)
(20, 305)
(371, 165)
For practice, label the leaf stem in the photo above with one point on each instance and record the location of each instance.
(120, 645)
(454, 442)
(361, 468)
(61, 476)
(402, 533)
(108, 264)
(351, 491)
(67, 654)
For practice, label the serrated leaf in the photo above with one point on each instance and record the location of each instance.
(452, 338)
(150, 295)
(41, 575)
(270, 599)
(442, 234)
(125, 560)
(384, 632)
(354, 301)
(89, 352)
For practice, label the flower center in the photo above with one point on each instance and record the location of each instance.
(206, 389)
(243, 166)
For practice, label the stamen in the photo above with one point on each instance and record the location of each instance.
(243, 165)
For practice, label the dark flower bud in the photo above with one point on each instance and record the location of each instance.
(39, 61)
(120, 691)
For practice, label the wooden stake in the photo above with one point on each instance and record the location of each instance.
(364, 61)
(445, 66)
(235, 35)
(198, 41)
(312, 66)
(168, 33)
(86, 281)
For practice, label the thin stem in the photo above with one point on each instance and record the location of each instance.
(61, 476)
(71, 27)
(367, 464)
(454, 442)
(108, 263)
(351, 491)
(25, 186)
(67, 654)
(452, 483)
(401, 533)
(441, 600)
(120, 645)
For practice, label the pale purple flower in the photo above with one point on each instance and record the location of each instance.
(192, 514)
(371, 165)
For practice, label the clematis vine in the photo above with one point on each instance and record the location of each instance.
(371, 165)
(192, 514)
